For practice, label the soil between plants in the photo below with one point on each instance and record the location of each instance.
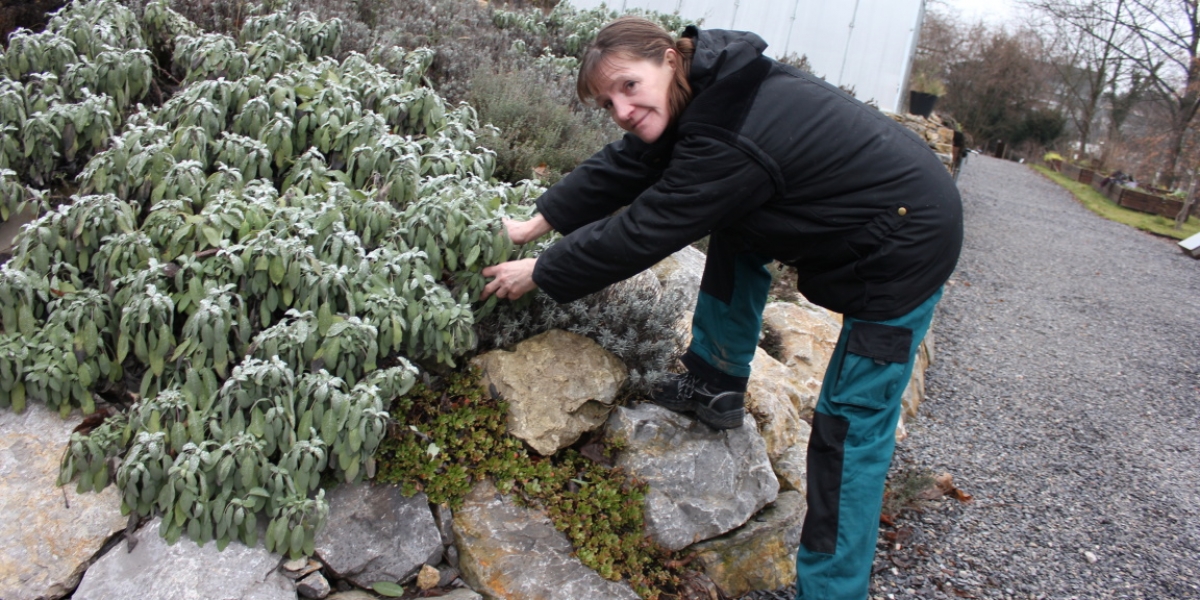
(1065, 398)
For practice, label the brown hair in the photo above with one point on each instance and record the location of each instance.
(636, 38)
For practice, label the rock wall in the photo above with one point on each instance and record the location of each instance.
(935, 131)
(732, 499)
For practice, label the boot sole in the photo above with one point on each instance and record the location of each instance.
(730, 419)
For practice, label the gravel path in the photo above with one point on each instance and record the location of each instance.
(1064, 397)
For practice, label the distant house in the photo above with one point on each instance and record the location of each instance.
(866, 45)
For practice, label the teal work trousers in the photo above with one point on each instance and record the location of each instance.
(854, 426)
(850, 451)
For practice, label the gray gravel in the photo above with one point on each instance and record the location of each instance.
(1064, 398)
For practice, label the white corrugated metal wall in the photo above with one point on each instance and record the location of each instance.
(863, 44)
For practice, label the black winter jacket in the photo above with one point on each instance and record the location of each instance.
(779, 160)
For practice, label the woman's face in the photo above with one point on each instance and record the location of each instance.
(635, 94)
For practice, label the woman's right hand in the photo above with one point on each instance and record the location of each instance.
(523, 232)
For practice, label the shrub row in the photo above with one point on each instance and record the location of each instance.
(286, 223)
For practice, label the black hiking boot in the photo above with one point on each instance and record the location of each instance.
(685, 393)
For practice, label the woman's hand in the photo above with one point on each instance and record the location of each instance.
(523, 232)
(513, 279)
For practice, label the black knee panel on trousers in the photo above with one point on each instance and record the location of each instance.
(826, 450)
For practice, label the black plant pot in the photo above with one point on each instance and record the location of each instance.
(921, 104)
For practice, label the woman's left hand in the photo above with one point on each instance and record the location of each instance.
(513, 279)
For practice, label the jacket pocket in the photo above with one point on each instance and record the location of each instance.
(872, 370)
(887, 222)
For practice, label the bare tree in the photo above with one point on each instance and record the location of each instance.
(1123, 94)
(1161, 39)
(1087, 59)
(944, 41)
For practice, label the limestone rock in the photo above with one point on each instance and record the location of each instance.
(513, 553)
(48, 535)
(772, 396)
(809, 331)
(684, 326)
(428, 577)
(444, 516)
(461, 594)
(314, 586)
(807, 335)
(703, 482)
(682, 271)
(295, 565)
(184, 571)
(901, 429)
(914, 394)
(933, 130)
(558, 385)
(376, 534)
(299, 568)
(792, 467)
(760, 555)
(447, 575)
(352, 595)
(695, 585)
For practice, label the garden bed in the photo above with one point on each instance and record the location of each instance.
(1094, 198)
(1078, 173)
(1149, 203)
(1130, 198)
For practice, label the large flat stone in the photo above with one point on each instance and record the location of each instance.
(558, 386)
(374, 534)
(185, 571)
(703, 482)
(48, 535)
(515, 553)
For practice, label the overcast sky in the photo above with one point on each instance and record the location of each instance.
(992, 12)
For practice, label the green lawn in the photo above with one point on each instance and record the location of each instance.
(1101, 205)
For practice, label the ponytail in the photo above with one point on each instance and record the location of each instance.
(681, 92)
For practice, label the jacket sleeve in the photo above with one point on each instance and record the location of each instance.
(610, 179)
(708, 186)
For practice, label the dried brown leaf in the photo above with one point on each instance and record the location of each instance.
(945, 483)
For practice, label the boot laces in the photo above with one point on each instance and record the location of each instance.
(687, 385)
